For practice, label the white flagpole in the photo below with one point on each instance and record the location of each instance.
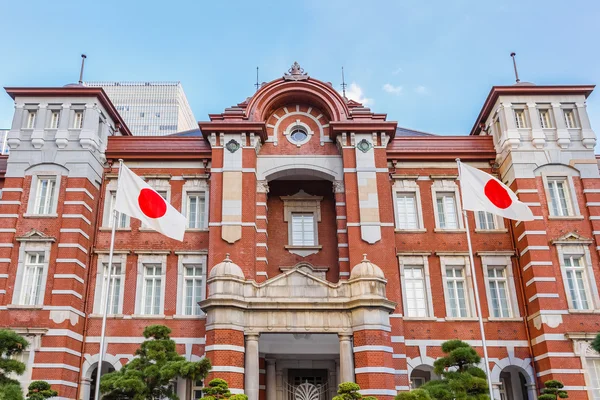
(476, 291)
(106, 293)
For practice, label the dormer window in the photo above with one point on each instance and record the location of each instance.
(302, 212)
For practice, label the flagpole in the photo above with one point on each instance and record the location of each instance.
(105, 293)
(476, 291)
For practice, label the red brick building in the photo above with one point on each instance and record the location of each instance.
(284, 193)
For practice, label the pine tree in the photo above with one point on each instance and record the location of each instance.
(349, 391)
(11, 344)
(417, 394)
(217, 389)
(149, 376)
(553, 391)
(40, 390)
(461, 378)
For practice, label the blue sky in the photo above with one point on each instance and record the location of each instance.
(428, 64)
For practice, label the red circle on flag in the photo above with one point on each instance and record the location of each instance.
(151, 203)
(497, 194)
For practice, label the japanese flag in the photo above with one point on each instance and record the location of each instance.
(483, 192)
(138, 200)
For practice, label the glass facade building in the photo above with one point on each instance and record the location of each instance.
(150, 108)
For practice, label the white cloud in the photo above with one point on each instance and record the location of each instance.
(397, 90)
(355, 92)
(421, 90)
(397, 71)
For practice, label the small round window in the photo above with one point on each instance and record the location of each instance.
(298, 134)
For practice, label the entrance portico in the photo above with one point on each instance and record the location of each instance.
(299, 322)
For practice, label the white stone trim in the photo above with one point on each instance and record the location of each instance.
(560, 371)
(76, 230)
(87, 221)
(56, 366)
(374, 370)
(78, 203)
(226, 347)
(59, 350)
(533, 248)
(70, 292)
(81, 190)
(225, 368)
(73, 246)
(71, 260)
(386, 349)
(62, 382)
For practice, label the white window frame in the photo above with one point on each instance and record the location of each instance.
(447, 186)
(194, 185)
(53, 122)
(520, 110)
(545, 124)
(78, 122)
(496, 260)
(572, 206)
(143, 260)
(189, 258)
(463, 262)
(416, 260)
(582, 250)
(34, 338)
(35, 188)
(41, 245)
(160, 185)
(498, 223)
(582, 348)
(107, 216)
(573, 111)
(31, 116)
(408, 186)
(305, 203)
(99, 301)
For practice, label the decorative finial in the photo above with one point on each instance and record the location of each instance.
(257, 84)
(513, 54)
(83, 57)
(295, 73)
(343, 84)
(227, 257)
(365, 257)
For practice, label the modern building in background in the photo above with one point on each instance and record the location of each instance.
(3, 136)
(150, 108)
(324, 244)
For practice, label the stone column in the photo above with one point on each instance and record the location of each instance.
(84, 389)
(531, 392)
(346, 359)
(496, 390)
(279, 381)
(271, 379)
(251, 368)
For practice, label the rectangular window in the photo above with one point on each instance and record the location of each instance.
(32, 279)
(44, 196)
(559, 197)
(406, 206)
(456, 285)
(195, 210)
(416, 298)
(498, 287)
(486, 221)
(497, 130)
(193, 281)
(447, 213)
(593, 369)
(31, 115)
(152, 289)
(570, 119)
(303, 229)
(545, 120)
(78, 120)
(121, 219)
(54, 119)
(576, 278)
(197, 390)
(115, 289)
(520, 118)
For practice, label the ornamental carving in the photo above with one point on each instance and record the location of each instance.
(295, 73)
(364, 145)
(232, 146)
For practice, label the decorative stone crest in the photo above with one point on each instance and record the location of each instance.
(262, 187)
(364, 145)
(232, 146)
(338, 186)
(295, 73)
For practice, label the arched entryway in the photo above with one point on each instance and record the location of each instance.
(513, 380)
(89, 373)
(420, 375)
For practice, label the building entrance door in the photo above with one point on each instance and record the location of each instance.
(307, 384)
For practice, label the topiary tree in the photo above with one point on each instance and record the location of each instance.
(553, 390)
(238, 397)
(216, 389)
(149, 376)
(348, 391)
(461, 378)
(40, 390)
(417, 394)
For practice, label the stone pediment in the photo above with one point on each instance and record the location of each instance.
(572, 238)
(35, 236)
